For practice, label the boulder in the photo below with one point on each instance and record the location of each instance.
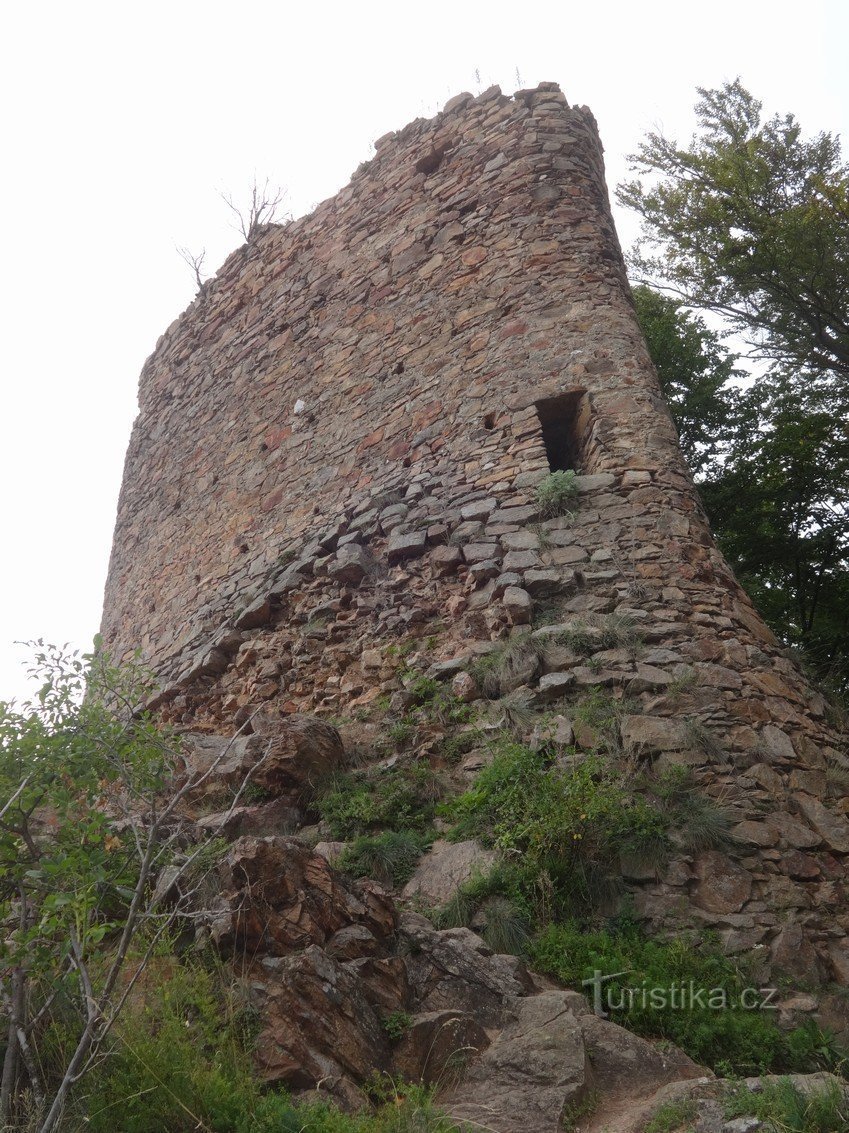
(351, 565)
(518, 605)
(445, 867)
(833, 828)
(454, 969)
(318, 1027)
(286, 753)
(277, 896)
(406, 545)
(438, 1045)
(535, 1070)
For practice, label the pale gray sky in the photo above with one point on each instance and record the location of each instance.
(122, 123)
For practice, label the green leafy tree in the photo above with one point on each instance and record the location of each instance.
(751, 220)
(780, 508)
(695, 372)
(772, 466)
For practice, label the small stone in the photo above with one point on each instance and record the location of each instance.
(793, 832)
(544, 583)
(554, 685)
(479, 552)
(257, 614)
(520, 541)
(833, 828)
(778, 743)
(465, 688)
(653, 733)
(446, 559)
(596, 483)
(518, 604)
(445, 867)
(755, 833)
(479, 509)
(407, 545)
(724, 886)
(799, 866)
(351, 565)
(521, 560)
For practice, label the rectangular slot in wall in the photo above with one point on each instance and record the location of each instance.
(565, 420)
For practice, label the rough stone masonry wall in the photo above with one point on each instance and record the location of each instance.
(468, 270)
(269, 552)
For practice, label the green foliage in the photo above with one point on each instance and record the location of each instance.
(557, 493)
(80, 770)
(567, 822)
(735, 1039)
(787, 1109)
(395, 798)
(751, 221)
(389, 857)
(780, 509)
(694, 371)
(396, 1024)
(674, 1116)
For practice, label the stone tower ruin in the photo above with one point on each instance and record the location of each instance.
(338, 451)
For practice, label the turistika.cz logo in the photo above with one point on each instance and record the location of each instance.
(685, 996)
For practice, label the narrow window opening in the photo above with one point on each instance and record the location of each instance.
(564, 421)
(489, 421)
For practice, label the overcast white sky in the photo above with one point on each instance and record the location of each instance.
(122, 122)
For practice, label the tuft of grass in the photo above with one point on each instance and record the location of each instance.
(557, 493)
(674, 1117)
(699, 822)
(389, 858)
(701, 739)
(783, 1107)
(504, 926)
(685, 679)
(516, 659)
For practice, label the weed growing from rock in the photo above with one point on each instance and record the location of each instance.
(557, 493)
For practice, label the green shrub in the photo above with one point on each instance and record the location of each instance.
(389, 857)
(396, 1024)
(363, 802)
(787, 1109)
(556, 493)
(731, 1039)
(568, 823)
(181, 1062)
